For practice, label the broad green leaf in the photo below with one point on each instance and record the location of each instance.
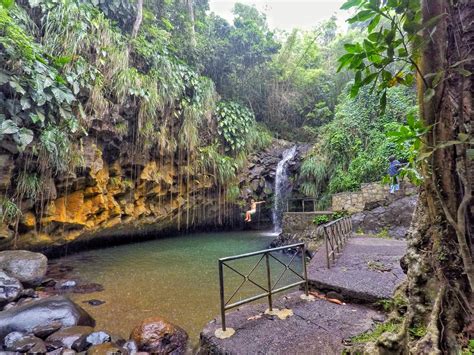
(375, 21)
(4, 77)
(37, 117)
(361, 16)
(25, 103)
(25, 136)
(8, 127)
(350, 3)
(353, 48)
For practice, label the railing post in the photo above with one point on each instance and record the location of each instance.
(306, 288)
(287, 205)
(269, 282)
(302, 201)
(221, 283)
(326, 237)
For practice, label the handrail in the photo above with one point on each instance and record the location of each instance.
(303, 200)
(336, 234)
(268, 288)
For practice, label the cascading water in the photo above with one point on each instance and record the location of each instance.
(281, 187)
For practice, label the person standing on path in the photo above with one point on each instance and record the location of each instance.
(393, 170)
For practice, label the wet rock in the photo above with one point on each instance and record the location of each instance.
(26, 266)
(48, 283)
(94, 302)
(106, 348)
(67, 284)
(97, 338)
(43, 331)
(68, 352)
(29, 292)
(43, 312)
(159, 336)
(9, 306)
(71, 337)
(10, 288)
(58, 351)
(25, 343)
(11, 338)
(88, 288)
(131, 347)
(53, 345)
(117, 339)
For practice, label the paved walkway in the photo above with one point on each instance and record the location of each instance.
(317, 327)
(367, 270)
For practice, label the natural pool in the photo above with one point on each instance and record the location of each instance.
(175, 278)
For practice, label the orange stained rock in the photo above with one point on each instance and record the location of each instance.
(29, 220)
(67, 209)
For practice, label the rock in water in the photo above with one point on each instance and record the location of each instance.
(71, 337)
(98, 338)
(10, 288)
(47, 311)
(26, 266)
(27, 343)
(157, 335)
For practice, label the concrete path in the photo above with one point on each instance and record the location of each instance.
(317, 327)
(367, 270)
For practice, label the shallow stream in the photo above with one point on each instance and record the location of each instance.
(175, 278)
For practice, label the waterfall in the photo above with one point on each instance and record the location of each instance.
(281, 187)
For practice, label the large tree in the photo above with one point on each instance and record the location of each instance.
(432, 39)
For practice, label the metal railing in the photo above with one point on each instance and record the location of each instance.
(336, 234)
(303, 202)
(268, 288)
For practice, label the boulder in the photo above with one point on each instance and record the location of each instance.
(27, 343)
(43, 331)
(71, 337)
(10, 288)
(391, 216)
(157, 335)
(26, 266)
(43, 312)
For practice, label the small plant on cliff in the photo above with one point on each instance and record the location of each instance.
(9, 211)
(234, 122)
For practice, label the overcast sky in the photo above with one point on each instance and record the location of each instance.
(285, 15)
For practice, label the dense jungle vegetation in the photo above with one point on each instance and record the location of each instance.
(171, 66)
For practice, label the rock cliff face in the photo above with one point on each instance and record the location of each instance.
(258, 179)
(117, 194)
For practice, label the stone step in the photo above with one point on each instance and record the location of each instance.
(367, 270)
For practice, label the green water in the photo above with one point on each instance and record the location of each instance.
(175, 278)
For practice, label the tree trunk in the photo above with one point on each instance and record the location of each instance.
(189, 5)
(138, 19)
(438, 260)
